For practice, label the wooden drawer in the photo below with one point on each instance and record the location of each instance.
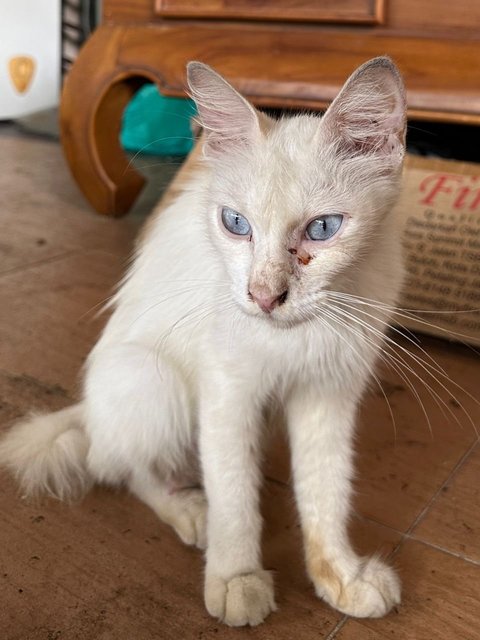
(337, 11)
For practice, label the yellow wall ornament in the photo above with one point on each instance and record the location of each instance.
(21, 70)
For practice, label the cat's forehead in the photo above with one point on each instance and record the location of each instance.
(287, 152)
(279, 179)
(287, 168)
(293, 129)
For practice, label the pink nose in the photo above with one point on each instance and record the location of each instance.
(268, 302)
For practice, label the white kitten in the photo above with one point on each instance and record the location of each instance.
(235, 299)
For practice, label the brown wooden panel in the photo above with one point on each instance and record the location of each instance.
(274, 65)
(295, 67)
(452, 19)
(94, 95)
(367, 11)
(128, 11)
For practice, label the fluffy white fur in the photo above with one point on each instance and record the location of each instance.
(177, 387)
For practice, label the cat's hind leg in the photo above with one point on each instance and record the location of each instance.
(139, 423)
(184, 509)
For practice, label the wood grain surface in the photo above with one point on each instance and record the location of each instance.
(118, 59)
(341, 11)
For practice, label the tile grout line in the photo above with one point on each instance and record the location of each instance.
(75, 251)
(340, 624)
(442, 549)
(36, 263)
(407, 535)
(451, 475)
(380, 524)
(410, 536)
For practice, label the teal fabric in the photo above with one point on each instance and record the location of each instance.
(157, 125)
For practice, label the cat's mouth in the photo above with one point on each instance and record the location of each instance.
(279, 317)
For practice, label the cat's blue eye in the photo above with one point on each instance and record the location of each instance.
(324, 227)
(235, 222)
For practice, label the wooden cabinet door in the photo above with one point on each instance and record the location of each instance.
(340, 11)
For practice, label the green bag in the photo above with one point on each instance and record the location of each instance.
(157, 125)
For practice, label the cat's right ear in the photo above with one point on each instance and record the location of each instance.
(229, 121)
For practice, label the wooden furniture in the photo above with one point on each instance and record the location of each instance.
(280, 53)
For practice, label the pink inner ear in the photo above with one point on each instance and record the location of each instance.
(365, 137)
(228, 119)
(227, 127)
(368, 116)
(372, 124)
(225, 124)
(216, 120)
(223, 133)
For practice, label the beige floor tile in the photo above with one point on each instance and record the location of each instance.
(47, 315)
(453, 520)
(43, 215)
(277, 459)
(20, 393)
(441, 600)
(400, 469)
(371, 538)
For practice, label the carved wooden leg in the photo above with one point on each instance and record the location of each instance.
(95, 94)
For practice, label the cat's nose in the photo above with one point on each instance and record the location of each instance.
(267, 301)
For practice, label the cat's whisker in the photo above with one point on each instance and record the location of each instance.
(391, 344)
(431, 371)
(208, 314)
(102, 306)
(161, 341)
(176, 293)
(192, 314)
(438, 369)
(363, 360)
(410, 314)
(407, 310)
(178, 323)
(410, 337)
(189, 280)
(235, 321)
(396, 362)
(386, 357)
(149, 144)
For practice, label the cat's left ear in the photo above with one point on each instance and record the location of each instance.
(368, 117)
(228, 119)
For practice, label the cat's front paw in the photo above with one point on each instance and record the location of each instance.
(372, 593)
(246, 599)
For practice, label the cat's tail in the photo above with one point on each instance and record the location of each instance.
(48, 453)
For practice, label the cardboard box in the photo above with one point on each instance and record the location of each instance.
(440, 212)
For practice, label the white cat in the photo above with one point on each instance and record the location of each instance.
(237, 299)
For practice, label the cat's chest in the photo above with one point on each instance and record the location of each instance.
(277, 360)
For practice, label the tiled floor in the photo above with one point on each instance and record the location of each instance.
(106, 568)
